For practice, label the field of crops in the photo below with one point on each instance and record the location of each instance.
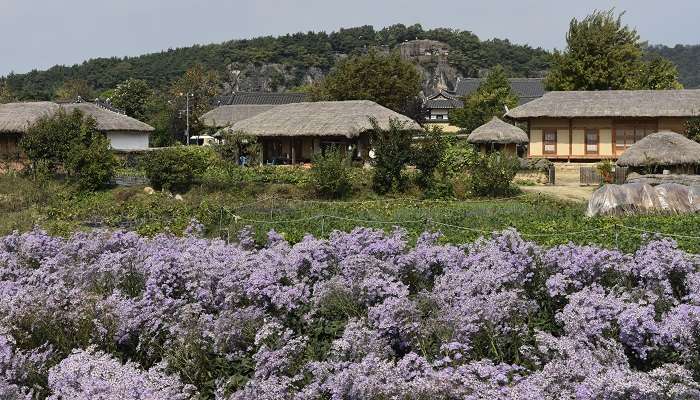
(360, 315)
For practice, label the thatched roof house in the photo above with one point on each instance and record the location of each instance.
(611, 103)
(325, 118)
(661, 149)
(224, 116)
(18, 117)
(124, 132)
(595, 125)
(294, 132)
(108, 120)
(497, 131)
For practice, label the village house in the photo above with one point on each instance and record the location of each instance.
(595, 125)
(438, 106)
(242, 105)
(123, 132)
(295, 132)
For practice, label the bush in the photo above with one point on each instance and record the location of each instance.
(330, 175)
(90, 163)
(457, 159)
(236, 144)
(427, 155)
(492, 174)
(393, 150)
(177, 168)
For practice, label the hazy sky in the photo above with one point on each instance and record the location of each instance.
(42, 33)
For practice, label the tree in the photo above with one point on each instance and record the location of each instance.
(384, 79)
(72, 141)
(71, 89)
(90, 162)
(392, 148)
(692, 128)
(489, 100)
(200, 86)
(601, 54)
(132, 97)
(6, 95)
(427, 155)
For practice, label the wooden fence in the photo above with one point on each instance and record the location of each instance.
(591, 176)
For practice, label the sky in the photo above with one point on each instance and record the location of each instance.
(36, 34)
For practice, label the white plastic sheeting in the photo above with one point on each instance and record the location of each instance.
(641, 198)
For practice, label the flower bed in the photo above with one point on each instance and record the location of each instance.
(361, 315)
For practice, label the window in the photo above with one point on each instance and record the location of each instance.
(627, 135)
(549, 144)
(592, 139)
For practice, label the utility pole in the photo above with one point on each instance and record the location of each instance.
(187, 115)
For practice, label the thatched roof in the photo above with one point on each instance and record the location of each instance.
(325, 118)
(612, 103)
(228, 115)
(108, 120)
(497, 131)
(18, 117)
(661, 148)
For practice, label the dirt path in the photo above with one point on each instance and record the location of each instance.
(570, 193)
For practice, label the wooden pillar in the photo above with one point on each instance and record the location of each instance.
(294, 159)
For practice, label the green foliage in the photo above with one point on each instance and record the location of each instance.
(330, 174)
(176, 169)
(392, 148)
(49, 140)
(200, 86)
(457, 159)
(71, 89)
(492, 174)
(685, 57)
(692, 128)
(162, 119)
(488, 101)
(384, 79)
(605, 168)
(602, 53)
(233, 145)
(6, 94)
(428, 153)
(132, 97)
(90, 162)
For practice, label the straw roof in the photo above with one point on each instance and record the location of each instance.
(108, 120)
(612, 103)
(325, 118)
(661, 148)
(18, 117)
(228, 115)
(497, 131)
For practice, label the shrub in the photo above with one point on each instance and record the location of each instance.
(90, 162)
(48, 141)
(177, 168)
(236, 144)
(393, 150)
(330, 175)
(427, 155)
(605, 168)
(457, 158)
(492, 174)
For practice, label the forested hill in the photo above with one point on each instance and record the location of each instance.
(686, 58)
(280, 63)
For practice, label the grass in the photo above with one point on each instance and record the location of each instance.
(291, 210)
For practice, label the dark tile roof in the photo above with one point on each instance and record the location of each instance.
(258, 98)
(443, 100)
(527, 89)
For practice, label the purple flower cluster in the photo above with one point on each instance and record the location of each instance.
(363, 314)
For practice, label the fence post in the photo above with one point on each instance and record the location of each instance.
(551, 175)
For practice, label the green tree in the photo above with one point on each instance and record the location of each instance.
(132, 97)
(491, 174)
(6, 94)
(384, 79)
(71, 89)
(90, 162)
(602, 53)
(392, 148)
(331, 174)
(48, 141)
(200, 86)
(692, 128)
(428, 152)
(488, 101)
